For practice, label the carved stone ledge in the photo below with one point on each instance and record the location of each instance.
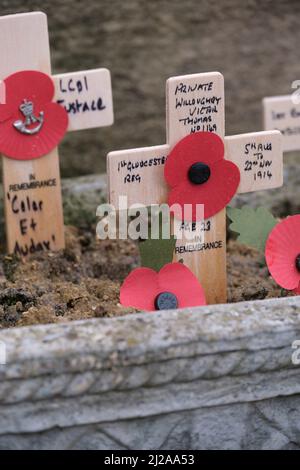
(114, 379)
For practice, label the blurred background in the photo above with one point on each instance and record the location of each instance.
(254, 43)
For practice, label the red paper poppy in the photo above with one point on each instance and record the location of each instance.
(31, 125)
(197, 173)
(174, 286)
(283, 253)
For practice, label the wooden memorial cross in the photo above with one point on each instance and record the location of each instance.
(283, 113)
(32, 191)
(196, 103)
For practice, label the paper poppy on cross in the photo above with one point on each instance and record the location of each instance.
(31, 124)
(197, 173)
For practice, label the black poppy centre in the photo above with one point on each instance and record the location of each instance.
(199, 173)
(166, 301)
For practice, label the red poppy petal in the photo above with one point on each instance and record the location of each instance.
(215, 194)
(178, 279)
(30, 85)
(6, 112)
(282, 249)
(140, 289)
(16, 145)
(205, 147)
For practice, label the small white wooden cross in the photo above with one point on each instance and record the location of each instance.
(32, 190)
(283, 113)
(196, 103)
